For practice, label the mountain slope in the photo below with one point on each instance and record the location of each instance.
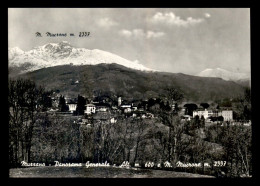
(54, 54)
(131, 84)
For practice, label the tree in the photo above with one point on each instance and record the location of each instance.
(24, 104)
(196, 122)
(242, 106)
(81, 105)
(46, 101)
(226, 103)
(202, 122)
(140, 128)
(62, 104)
(190, 107)
(237, 143)
(174, 96)
(172, 120)
(204, 105)
(56, 139)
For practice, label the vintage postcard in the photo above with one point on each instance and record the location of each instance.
(129, 93)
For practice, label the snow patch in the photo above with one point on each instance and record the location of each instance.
(224, 74)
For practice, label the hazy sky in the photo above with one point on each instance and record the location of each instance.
(186, 40)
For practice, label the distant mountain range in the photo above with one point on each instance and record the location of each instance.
(224, 74)
(76, 71)
(54, 54)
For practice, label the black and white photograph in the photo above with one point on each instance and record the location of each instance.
(129, 93)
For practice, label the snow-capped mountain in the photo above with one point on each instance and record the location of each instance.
(224, 74)
(13, 52)
(54, 54)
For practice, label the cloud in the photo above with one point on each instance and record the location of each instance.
(151, 34)
(106, 22)
(125, 33)
(171, 19)
(207, 15)
(139, 33)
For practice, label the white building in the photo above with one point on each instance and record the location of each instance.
(113, 120)
(227, 115)
(119, 101)
(90, 108)
(126, 106)
(204, 113)
(72, 107)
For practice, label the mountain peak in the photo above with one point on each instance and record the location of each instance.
(63, 53)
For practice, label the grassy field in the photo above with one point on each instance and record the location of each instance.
(96, 172)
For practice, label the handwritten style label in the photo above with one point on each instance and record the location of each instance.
(167, 164)
(126, 164)
(219, 163)
(180, 164)
(215, 164)
(149, 164)
(49, 34)
(88, 164)
(57, 164)
(25, 164)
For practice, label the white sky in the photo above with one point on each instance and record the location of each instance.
(185, 40)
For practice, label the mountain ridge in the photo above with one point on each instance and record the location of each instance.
(116, 79)
(55, 54)
(224, 74)
(63, 53)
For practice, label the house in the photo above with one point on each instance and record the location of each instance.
(200, 113)
(90, 109)
(210, 113)
(126, 108)
(216, 113)
(72, 107)
(72, 104)
(113, 120)
(119, 101)
(101, 107)
(227, 115)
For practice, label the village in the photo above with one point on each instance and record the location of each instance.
(103, 108)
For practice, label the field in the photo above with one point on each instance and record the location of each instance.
(97, 172)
